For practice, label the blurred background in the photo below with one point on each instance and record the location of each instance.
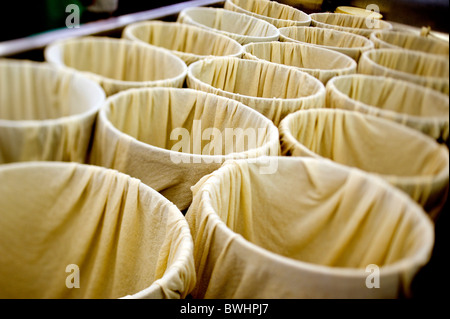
(419, 13)
(20, 19)
(24, 18)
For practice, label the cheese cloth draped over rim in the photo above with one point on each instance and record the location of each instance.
(126, 239)
(169, 138)
(307, 231)
(349, 23)
(407, 103)
(429, 70)
(238, 26)
(188, 42)
(272, 89)
(321, 63)
(406, 158)
(347, 43)
(118, 64)
(45, 113)
(410, 41)
(278, 14)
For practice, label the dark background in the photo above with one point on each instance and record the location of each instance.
(23, 18)
(19, 19)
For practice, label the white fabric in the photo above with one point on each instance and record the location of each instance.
(321, 63)
(278, 14)
(137, 133)
(344, 42)
(188, 42)
(307, 231)
(349, 23)
(118, 64)
(272, 89)
(408, 159)
(429, 70)
(410, 104)
(409, 41)
(45, 113)
(126, 239)
(238, 26)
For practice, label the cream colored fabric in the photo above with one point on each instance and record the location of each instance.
(344, 42)
(125, 238)
(404, 157)
(45, 113)
(441, 36)
(238, 26)
(409, 41)
(359, 12)
(429, 70)
(278, 14)
(410, 104)
(349, 23)
(321, 63)
(188, 42)
(141, 133)
(118, 64)
(272, 89)
(307, 231)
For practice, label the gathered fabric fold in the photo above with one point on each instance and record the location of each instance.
(278, 14)
(364, 26)
(321, 63)
(408, 159)
(429, 70)
(169, 138)
(413, 105)
(406, 40)
(307, 231)
(46, 114)
(347, 43)
(118, 64)
(273, 90)
(188, 42)
(238, 26)
(91, 227)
